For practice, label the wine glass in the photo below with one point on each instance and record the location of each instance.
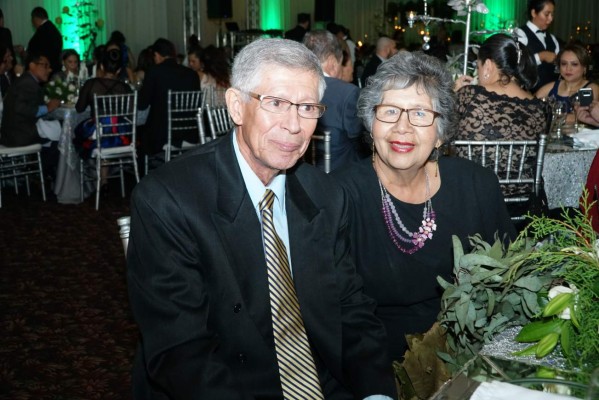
(559, 111)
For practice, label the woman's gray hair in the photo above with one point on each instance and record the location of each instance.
(258, 57)
(404, 70)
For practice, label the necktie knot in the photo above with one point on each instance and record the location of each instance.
(267, 200)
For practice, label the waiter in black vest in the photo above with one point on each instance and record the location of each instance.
(542, 44)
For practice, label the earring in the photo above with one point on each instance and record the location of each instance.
(373, 150)
(435, 157)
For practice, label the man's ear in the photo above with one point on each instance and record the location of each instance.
(235, 105)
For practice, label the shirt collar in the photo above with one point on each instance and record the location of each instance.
(254, 185)
(533, 27)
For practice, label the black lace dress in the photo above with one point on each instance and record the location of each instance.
(84, 135)
(485, 115)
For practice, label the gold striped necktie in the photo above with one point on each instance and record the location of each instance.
(299, 379)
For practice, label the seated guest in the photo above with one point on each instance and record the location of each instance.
(211, 65)
(144, 61)
(406, 203)
(574, 63)
(501, 107)
(165, 75)
(106, 83)
(24, 106)
(70, 66)
(214, 323)
(341, 98)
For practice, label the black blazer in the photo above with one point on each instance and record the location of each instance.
(370, 68)
(198, 285)
(154, 93)
(21, 104)
(47, 41)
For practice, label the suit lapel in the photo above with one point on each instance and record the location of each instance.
(239, 230)
(313, 267)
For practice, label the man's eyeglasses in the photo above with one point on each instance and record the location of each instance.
(416, 116)
(281, 106)
(43, 64)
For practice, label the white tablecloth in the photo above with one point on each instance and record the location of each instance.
(67, 185)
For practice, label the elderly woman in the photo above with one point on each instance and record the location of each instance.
(406, 203)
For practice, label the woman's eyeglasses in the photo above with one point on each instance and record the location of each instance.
(416, 116)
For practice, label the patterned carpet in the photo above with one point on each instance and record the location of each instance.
(66, 331)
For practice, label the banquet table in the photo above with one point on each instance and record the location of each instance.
(565, 171)
(67, 185)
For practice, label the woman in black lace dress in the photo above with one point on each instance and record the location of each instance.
(106, 83)
(500, 106)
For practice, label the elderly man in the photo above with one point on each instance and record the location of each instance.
(385, 48)
(341, 98)
(238, 267)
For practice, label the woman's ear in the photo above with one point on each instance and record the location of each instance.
(235, 105)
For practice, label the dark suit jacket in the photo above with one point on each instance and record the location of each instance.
(6, 39)
(154, 93)
(296, 33)
(370, 68)
(342, 121)
(198, 285)
(21, 104)
(47, 41)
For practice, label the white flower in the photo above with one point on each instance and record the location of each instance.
(70, 98)
(58, 91)
(554, 291)
(52, 83)
(46, 99)
(71, 87)
(462, 5)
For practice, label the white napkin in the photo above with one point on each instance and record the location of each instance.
(586, 138)
(496, 390)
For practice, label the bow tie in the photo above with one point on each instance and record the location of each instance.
(540, 31)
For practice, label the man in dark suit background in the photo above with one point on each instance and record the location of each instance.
(385, 48)
(197, 273)
(47, 39)
(24, 105)
(303, 26)
(165, 75)
(341, 99)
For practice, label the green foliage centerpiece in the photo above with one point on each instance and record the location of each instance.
(546, 281)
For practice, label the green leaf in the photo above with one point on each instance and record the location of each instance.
(491, 302)
(530, 283)
(530, 303)
(458, 252)
(566, 339)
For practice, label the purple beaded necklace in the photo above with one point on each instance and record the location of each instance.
(416, 239)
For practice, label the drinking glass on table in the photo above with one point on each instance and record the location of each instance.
(559, 112)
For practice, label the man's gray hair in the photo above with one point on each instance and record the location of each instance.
(405, 70)
(324, 44)
(258, 57)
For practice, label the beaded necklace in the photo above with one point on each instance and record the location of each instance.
(416, 239)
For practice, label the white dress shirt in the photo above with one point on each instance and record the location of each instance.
(543, 36)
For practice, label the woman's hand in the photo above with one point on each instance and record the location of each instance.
(589, 114)
(462, 81)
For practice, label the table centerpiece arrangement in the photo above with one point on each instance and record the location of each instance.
(66, 92)
(542, 291)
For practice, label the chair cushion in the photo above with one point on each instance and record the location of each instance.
(19, 151)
